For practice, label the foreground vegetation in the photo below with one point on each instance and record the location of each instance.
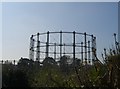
(28, 73)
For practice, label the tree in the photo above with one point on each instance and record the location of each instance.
(49, 61)
(13, 77)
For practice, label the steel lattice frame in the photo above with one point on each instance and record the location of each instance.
(86, 45)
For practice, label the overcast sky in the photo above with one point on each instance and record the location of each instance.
(21, 20)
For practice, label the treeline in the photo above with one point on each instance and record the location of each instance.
(30, 73)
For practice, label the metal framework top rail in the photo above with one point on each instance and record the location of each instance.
(63, 33)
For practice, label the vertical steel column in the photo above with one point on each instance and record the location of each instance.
(82, 52)
(54, 51)
(64, 49)
(30, 50)
(38, 48)
(89, 51)
(31, 53)
(60, 44)
(95, 48)
(85, 48)
(47, 45)
(74, 47)
(92, 49)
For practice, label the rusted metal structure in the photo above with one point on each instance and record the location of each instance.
(56, 44)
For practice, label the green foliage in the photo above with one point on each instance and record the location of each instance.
(30, 74)
(48, 75)
(12, 77)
